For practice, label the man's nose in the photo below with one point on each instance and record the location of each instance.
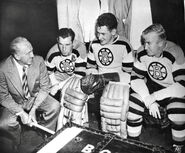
(32, 55)
(100, 37)
(63, 47)
(146, 46)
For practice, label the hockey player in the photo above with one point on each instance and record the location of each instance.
(110, 53)
(65, 61)
(158, 80)
(110, 58)
(66, 67)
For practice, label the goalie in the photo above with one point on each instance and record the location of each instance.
(111, 58)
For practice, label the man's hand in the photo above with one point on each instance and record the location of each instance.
(149, 100)
(32, 116)
(154, 110)
(26, 118)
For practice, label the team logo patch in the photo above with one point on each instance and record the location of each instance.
(157, 71)
(67, 66)
(105, 56)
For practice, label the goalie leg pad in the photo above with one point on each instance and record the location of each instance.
(116, 103)
(114, 108)
(73, 102)
(113, 122)
(74, 98)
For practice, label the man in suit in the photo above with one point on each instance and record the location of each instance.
(19, 104)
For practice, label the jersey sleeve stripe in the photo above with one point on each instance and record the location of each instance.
(50, 69)
(179, 72)
(139, 72)
(182, 82)
(82, 64)
(91, 61)
(134, 77)
(130, 65)
(80, 73)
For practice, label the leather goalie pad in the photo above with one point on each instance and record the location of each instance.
(73, 101)
(114, 107)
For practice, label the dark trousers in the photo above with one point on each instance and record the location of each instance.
(11, 124)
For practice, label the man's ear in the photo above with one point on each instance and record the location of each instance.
(113, 32)
(161, 43)
(16, 57)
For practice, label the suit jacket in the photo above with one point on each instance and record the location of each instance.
(11, 93)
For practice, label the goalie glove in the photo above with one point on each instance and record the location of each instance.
(94, 82)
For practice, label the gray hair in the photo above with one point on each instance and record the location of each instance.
(14, 45)
(158, 28)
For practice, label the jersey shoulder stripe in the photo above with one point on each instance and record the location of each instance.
(74, 51)
(95, 42)
(169, 56)
(53, 55)
(141, 54)
(120, 42)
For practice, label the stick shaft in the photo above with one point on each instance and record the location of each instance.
(43, 128)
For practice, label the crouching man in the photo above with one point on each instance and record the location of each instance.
(24, 90)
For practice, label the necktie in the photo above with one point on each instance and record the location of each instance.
(25, 84)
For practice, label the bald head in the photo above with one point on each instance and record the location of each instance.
(22, 50)
(18, 44)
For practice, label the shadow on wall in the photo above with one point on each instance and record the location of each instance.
(34, 19)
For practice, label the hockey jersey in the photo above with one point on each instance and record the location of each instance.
(65, 66)
(164, 76)
(114, 57)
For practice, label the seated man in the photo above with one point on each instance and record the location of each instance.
(24, 90)
(110, 53)
(157, 81)
(63, 60)
(66, 67)
(110, 58)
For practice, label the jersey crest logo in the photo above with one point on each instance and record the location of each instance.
(105, 56)
(157, 71)
(67, 66)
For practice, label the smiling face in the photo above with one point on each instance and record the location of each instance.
(153, 44)
(24, 52)
(65, 45)
(105, 35)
